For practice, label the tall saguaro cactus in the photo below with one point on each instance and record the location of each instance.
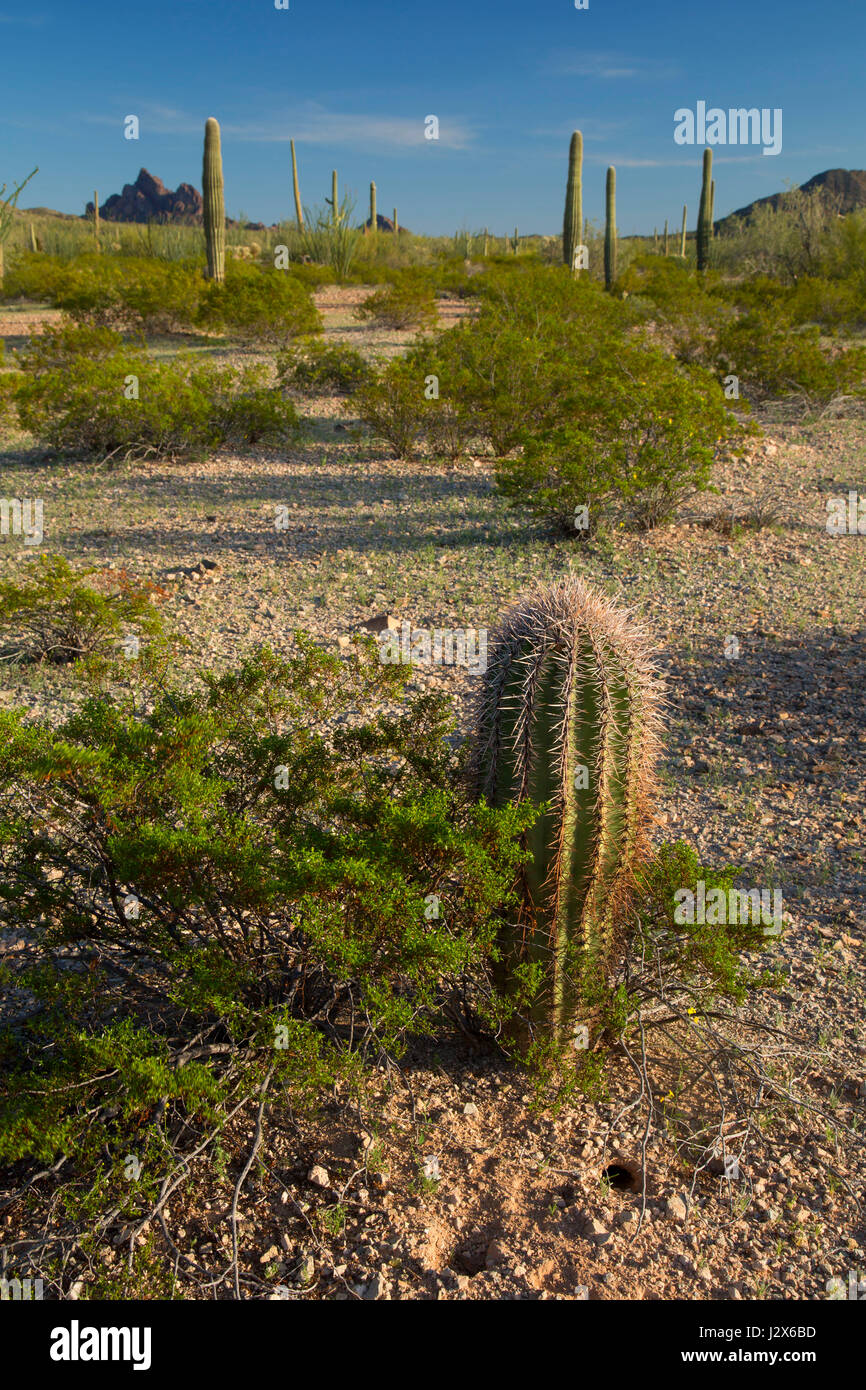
(569, 715)
(610, 229)
(373, 221)
(573, 220)
(705, 212)
(299, 211)
(683, 234)
(214, 203)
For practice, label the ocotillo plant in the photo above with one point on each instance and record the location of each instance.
(683, 236)
(705, 213)
(610, 229)
(214, 203)
(373, 223)
(573, 220)
(96, 218)
(569, 715)
(299, 211)
(7, 210)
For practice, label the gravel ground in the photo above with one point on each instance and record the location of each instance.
(765, 768)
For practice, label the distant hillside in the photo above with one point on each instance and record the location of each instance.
(845, 187)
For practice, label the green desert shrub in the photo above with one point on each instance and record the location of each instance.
(509, 371)
(394, 407)
(123, 403)
(319, 366)
(275, 874)
(266, 304)
(409, 302)
(637, 433)
(774, 357)
(58, 615)
(33, 275)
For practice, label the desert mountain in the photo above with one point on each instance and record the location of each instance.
(846, 188)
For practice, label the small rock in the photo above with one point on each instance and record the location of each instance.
(596, 1231)
(470, 1108)
(675, 1209)
(319, 1176)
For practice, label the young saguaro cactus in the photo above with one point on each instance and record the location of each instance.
(214, 203)
(373, 220)
(569, 714)
(705, 213)
(610, 229)
(573, 220)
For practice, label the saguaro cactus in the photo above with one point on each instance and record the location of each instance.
(666, 236)
(573, 220)
(214, 203)
(705, 213)
(373, 222)
(610, 229)
(570, 714)
(299, 211)
(335, 201)
(683, 235)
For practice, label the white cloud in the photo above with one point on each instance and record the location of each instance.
(611, 67)
(311, 125)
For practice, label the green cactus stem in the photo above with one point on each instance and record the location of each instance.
(705, 212)
(373, 222)
(569, 714)
(573, 219)
(666, 236)
(214, 205)
(610, 229)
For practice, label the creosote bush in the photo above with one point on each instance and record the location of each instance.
(408, 302)
(59, 615)
(102, 400)
(279, 872)
(318, 366)
(266, 304)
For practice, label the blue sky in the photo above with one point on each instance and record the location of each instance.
(352, 81)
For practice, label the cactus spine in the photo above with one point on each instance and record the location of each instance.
(573, 220)
(299, 211)
(214, 205)
(570, 714)
(704, 213)
(610, 229)
(373, 222)
(683, 235)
